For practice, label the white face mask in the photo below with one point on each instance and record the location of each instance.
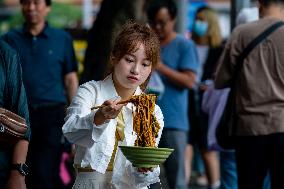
(200, 28)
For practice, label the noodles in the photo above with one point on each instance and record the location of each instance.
(145, 123)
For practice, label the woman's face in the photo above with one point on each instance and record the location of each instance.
(200, 27)
(132, 69)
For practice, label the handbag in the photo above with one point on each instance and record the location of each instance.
(12, 127)
(228, 121)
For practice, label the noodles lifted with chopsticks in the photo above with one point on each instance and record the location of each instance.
(145, 123)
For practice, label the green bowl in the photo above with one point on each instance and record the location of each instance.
(146, 157)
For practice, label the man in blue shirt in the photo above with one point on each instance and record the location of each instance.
(50, 79)
(177, 69)
(12, 98)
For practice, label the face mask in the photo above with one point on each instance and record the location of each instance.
(200, 28)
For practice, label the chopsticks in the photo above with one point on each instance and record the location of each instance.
(120, 102)
(132, 99)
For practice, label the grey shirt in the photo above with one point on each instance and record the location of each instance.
(260, 83)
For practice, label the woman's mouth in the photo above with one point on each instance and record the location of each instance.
(132, 78)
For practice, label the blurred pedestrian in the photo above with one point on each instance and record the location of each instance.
(177, 68)
(207, 36)
(49, 72)
(13, 98)
(259, 95)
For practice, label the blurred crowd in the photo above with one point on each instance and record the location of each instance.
(192, 78)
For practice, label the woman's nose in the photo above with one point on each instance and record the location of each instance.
(135, 69)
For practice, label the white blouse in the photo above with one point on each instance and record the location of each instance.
(95, 143)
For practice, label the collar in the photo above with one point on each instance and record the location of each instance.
(109, 86)
(46, 32)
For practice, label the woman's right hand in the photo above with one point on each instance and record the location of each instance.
(109, 111)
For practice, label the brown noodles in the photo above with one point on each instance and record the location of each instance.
(145, 123)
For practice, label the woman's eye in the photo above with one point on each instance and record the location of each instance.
(145, 64)
(129, 60)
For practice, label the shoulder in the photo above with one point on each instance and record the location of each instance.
(184, 43)
(6, 51)
(60, 33)
(14, 32)
(14, 37)
(250, 30)
(5, 48)
(9, 59)
(90, 86)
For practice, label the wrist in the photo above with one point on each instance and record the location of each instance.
(19, 169)
(15, 174)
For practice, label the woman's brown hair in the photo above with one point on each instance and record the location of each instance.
(128, 41)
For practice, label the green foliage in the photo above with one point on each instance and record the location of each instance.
(64, 15)
(61, 16)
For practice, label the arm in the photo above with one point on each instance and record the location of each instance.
(183, 75)
(184, 79)
(16, 180)
(71, 85)
(83, 126)
(16, 102)
(79, 117)
(224, 70)
(227, 62)
(70, 68)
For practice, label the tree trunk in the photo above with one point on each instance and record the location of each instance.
(113, 14)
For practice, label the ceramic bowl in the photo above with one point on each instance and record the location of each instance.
(146, 157)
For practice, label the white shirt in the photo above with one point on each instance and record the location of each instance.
(95, 143)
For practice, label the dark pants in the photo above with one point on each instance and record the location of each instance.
(45, 145)
(174, 165)
(5, 162)
(258, 155)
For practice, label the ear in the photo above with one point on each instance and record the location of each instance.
(111, 60)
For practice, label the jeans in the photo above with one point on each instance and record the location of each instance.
(174, 165)
(228, 170)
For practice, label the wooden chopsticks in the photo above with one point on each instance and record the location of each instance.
(120, 102)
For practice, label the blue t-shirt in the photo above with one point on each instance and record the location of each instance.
(180, 54)
(46, 58)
